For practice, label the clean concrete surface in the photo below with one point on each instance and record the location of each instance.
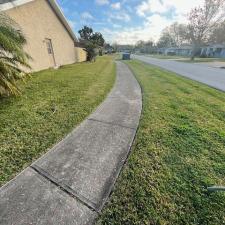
(71, 183)
(214, 77)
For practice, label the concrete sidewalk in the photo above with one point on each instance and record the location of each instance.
(71, 183)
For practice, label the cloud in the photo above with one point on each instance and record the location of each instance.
(152, 6)
(122, 16)
(151, 29)
(86, 16)
(183, 7)
(146, 20)
(102, 2)
(155, 17)
(162, 6)
(116, 5)
(117, 26)
(156, 23)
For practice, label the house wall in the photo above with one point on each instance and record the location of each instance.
(184, 52)
(212, 52)
(220, 53)
(81, 54)
(38, 21)
(223, 53)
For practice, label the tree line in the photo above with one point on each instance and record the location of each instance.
(206, 25)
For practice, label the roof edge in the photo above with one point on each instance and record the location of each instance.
(10, 5)
(62, 18)
(54, 6)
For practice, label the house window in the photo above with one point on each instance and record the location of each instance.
(218, 50)
(49, 46)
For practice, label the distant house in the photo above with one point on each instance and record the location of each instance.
(184, 50)
(216, 50)
(170, 51)
(161, 51)
(50, 39)
(181, 51)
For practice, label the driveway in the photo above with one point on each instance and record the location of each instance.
(214, 77)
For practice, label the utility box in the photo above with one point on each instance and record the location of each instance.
(126, 56)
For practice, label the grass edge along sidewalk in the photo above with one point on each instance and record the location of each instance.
(52, 104)
(178, 152)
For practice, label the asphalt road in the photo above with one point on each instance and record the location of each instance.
(214, 77)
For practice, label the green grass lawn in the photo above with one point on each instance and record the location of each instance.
(52, 104)
(178, 152)
(202, 60)
(157, 56)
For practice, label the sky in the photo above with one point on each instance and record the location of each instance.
(126, 21)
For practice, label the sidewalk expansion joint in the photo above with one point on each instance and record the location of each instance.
(68, 190)
(114, 124)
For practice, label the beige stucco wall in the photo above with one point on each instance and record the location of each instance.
(38, 22)
(81, 54)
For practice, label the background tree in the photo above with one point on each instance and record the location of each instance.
(13, 59)
(115, 46)
(109, 48)
(99, 41)
(92, 41)
(140, 44)
(202, 22)
(174, 35)
(86, 33)
(166, 40)
(178, 33)
(218, 34)
(146, 46)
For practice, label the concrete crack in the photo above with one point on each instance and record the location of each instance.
(114, 124)
(65, 188)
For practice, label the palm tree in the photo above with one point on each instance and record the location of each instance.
(13, 59)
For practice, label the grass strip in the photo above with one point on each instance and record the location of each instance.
(179, 151)
(52, 104)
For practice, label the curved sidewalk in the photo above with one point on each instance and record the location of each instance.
(71, 183)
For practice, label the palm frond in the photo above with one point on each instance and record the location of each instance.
(13, 59)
